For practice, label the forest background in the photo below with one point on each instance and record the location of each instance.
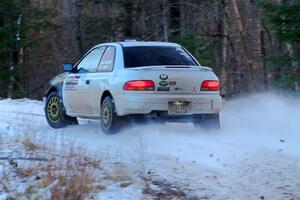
(253, 46)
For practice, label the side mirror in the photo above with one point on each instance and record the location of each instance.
(68, 67)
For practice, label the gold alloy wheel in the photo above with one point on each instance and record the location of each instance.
(53, 109)
(106, 114)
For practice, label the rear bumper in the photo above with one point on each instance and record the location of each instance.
(143, 103)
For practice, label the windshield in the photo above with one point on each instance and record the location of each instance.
(155, 56)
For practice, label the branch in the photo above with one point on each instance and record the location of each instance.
(21, 158)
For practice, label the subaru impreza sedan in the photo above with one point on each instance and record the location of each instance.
(147, 80)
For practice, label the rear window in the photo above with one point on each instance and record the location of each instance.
(155, 56)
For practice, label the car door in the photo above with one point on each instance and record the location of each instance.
(76, 90)
(100, 81)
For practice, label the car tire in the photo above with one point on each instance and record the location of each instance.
(109, 120)
(207, 121)
(55, 112)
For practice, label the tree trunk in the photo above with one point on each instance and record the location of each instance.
(142, 24)
(224, 47)
(16, 55)
(182, 19)
(78, 26)
(237, 15)
(165, 20)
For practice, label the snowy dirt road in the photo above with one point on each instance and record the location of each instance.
(256, 155)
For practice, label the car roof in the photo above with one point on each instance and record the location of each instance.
(140, 43)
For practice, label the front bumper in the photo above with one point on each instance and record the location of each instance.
(143, 103)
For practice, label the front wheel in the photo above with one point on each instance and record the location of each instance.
(110, 122)
(55, 113)
(207, 121)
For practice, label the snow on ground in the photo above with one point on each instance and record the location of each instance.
(256, 155)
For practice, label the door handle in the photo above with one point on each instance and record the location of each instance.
(87, 81)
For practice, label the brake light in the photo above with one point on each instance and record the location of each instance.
(139, 85)
(210, 85)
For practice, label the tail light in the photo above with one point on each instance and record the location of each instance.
(210, 85)
(139, 85)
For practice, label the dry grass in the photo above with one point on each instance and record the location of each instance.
(77, 186)
(164, 190)
(119, 173)
(29, 145)
(66, 173)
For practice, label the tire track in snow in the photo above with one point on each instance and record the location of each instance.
(24, 113)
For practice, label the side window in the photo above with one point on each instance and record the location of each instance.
(90, 62)
(107, 61)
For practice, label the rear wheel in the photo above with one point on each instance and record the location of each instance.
(207, 121)
(110, 122)
(55, 113)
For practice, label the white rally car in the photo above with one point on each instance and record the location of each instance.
(114, 81)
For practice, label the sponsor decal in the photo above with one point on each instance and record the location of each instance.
(178, 89)
(163, 77)
(163, 83)
(163, 89)
(72, 80)
(172, 82)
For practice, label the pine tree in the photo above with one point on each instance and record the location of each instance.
(284, 21)
(17, 18)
